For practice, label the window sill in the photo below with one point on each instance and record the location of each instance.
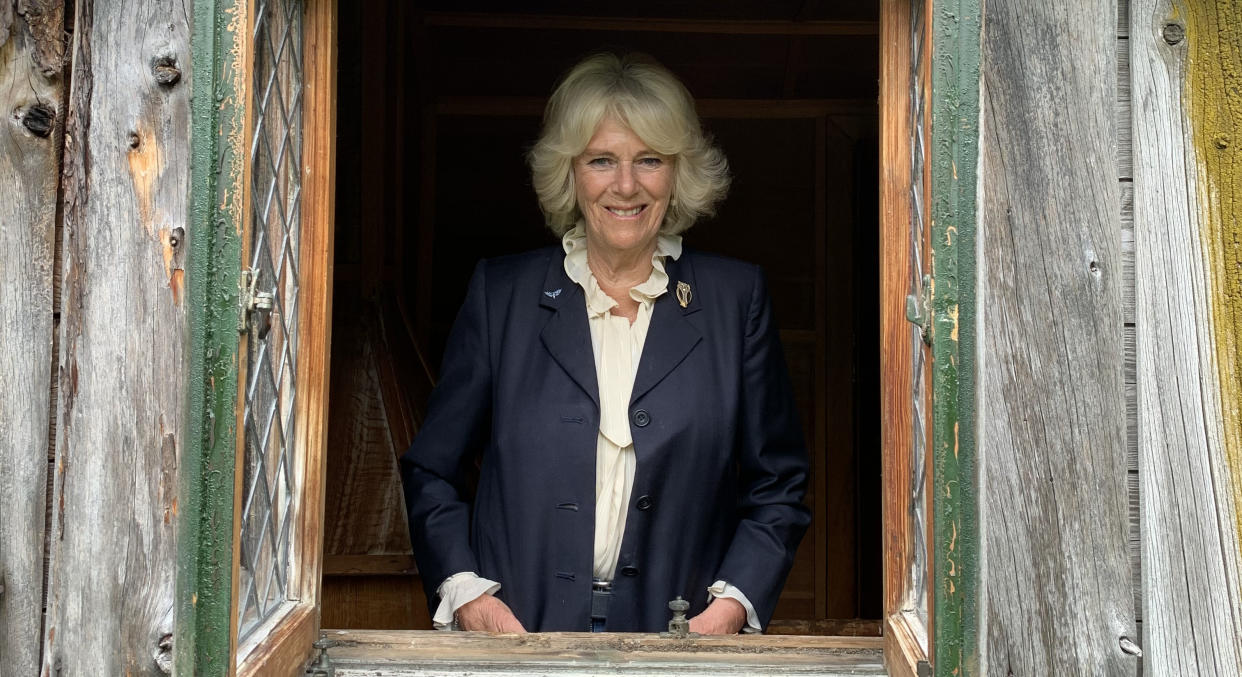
(410, 653)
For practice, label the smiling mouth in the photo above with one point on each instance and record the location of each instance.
(627, 212)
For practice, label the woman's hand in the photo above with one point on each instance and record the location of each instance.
(724, 616)
(488, 614)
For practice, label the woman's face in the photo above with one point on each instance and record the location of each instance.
(623, 188)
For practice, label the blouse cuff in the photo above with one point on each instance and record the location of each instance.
(723, 589)
(456, 591)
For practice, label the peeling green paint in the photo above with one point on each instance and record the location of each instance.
(955, 151)
(204, 595)
(1213, 97)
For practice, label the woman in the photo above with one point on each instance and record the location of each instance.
(629, 397)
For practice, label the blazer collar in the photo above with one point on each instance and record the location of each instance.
(672, 335)
(567, 334)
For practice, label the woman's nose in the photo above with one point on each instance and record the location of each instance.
(624, 182)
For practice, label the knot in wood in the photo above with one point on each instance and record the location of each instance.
(1222, 141)
(134, 140)
(39, 119)
(166, 71)
(1174, 33)
(163, 654)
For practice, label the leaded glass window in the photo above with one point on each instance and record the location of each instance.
(917, 587)
(271, 277)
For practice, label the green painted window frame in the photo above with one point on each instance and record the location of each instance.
(204, 642)
(956, 612)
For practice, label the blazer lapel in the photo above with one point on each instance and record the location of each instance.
(671, 336)
(567, 336)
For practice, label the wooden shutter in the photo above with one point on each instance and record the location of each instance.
(286, 296)
(905, 358)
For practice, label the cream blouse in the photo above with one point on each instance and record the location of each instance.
(617, 345)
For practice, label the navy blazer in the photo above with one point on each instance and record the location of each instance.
(721, 462)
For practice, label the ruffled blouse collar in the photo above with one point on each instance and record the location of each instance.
(598, 303)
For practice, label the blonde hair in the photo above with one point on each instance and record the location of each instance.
(644, 96)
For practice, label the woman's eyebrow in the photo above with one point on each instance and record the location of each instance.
(608, 153)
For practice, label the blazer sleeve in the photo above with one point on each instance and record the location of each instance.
(434, 469)
(772, 466)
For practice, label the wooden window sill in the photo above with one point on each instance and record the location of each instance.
(409, 653)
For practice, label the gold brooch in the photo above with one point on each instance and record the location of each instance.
(683, 294)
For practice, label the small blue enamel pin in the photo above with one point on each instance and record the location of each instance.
(552, 294)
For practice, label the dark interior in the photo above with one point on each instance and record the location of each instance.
(437, 103)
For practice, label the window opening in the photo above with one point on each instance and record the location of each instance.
(431, 178)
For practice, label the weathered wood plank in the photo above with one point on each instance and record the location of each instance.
(30, 96)
(1125, 140)
(1131, 375)
(1057, 585)
(1190, 553)
(122, 362)
(1127, 251)
(569, 653)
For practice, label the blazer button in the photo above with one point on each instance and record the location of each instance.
(644, 503)
(641, 418)
(629, 570)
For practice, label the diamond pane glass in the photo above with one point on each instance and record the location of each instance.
(917, 598)
(272, 260)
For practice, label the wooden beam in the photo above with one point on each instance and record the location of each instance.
(31, 87)
(1051, 399)
(647, 25)
(123, 359)
(1186, 64)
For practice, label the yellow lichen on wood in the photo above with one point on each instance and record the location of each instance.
(1214, 99)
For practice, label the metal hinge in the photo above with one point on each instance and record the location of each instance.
(923, 669)
(255, 310)
(322, 667)
(918, 309)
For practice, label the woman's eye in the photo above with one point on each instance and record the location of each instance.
(650, 162)
(600, 162)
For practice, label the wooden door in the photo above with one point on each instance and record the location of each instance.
(905, 360)
(286, 303)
